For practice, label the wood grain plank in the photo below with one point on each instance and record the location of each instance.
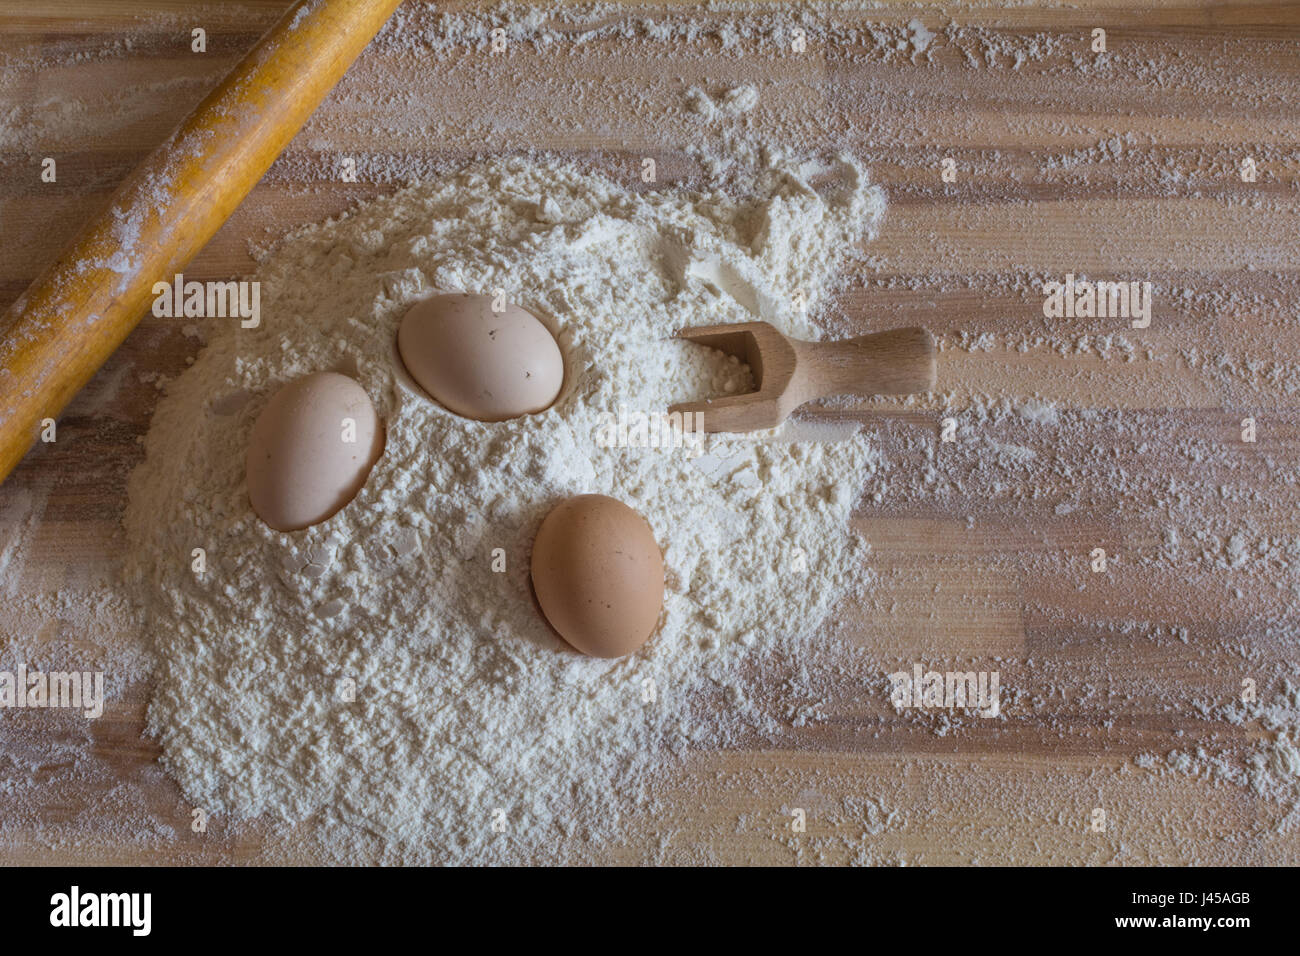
(979, 548)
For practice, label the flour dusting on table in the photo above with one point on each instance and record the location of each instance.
(1071, 434)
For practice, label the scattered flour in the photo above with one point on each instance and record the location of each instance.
(919, 37)
(467, 710)
(1131, 426)
(1275, 766)
(733, 102)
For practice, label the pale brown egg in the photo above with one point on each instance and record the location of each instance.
(311, 449)
(598, 575)
(478, 363)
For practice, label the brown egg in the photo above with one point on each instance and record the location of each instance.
(480, 363)
(311, 450)
(599, 575)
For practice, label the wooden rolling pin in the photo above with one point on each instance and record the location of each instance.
(59, 332)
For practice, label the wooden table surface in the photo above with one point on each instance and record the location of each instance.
(1126, 167)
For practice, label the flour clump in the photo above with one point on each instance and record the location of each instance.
(386, 672)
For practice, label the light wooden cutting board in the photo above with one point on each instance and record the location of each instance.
(1129, 170)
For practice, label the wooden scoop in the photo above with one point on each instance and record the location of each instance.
(790, 372)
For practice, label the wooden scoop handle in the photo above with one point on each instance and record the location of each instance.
(896, 362)
(62, 329)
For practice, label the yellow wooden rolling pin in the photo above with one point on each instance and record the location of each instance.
(63, 328)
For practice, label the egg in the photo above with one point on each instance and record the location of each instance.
(311, 449)
(478, 363)
(598, 575)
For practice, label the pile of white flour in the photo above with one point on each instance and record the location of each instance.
(474, 733)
